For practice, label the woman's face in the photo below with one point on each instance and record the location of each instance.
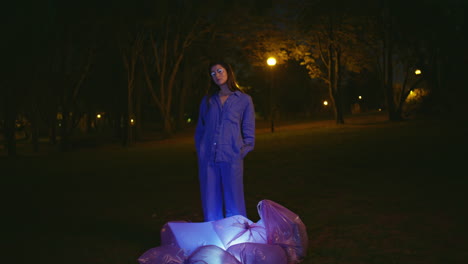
(219, 74)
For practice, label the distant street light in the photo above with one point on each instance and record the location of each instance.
(417, 72)
(325, 103)
(271, 61)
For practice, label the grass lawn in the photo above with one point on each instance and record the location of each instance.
(369, 191)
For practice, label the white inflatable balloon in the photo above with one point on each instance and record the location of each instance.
(238, 229)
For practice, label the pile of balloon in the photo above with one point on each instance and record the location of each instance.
(279, 237)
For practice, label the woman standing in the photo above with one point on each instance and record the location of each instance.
(225, 133)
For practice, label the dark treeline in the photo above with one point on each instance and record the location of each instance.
(123, 68)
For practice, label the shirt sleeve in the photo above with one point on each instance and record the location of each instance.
(200, 128)
(248, 128)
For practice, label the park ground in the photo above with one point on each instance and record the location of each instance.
(369, 191)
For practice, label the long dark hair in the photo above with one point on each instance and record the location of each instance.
(231, 79)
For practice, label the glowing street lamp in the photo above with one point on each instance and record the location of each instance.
(417, 72)
(271, 61)
(325, 103)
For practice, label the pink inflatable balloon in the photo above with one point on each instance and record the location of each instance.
(163, 255)
(284, 228)
(255, 253)
(211, 255)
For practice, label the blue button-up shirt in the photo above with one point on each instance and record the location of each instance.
(225, 133)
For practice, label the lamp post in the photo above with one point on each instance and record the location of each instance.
(271, 61)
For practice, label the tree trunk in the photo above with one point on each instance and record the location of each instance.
(64, 141)
(388, 64)
(338, 88)
(53, 129)
(130, 57)
(138, 116)
(35, 131)
(129, 127)
(181, 120)
(168, 124)
(184, 86)
(89, 122)
(10, 123)
(334, 85)
(402, 96)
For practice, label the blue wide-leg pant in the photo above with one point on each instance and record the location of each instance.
(222, 189)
